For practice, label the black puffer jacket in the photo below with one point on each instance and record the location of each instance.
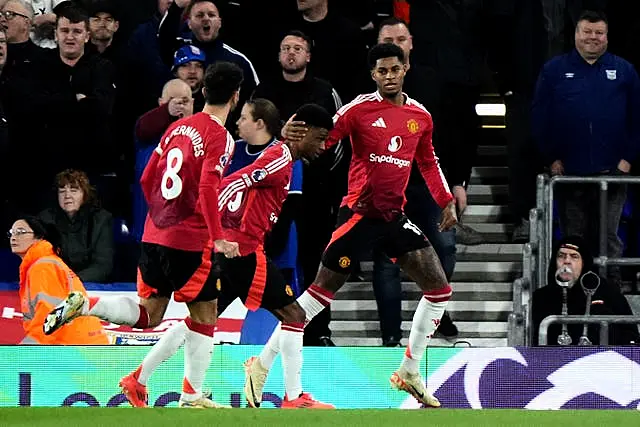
(87, 241)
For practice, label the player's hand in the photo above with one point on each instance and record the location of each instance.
(182, 3)
(229, 249)
(449, 217)
(460, 196)
(294, 131)
(557, 168)
(80, 96)
(179, 107)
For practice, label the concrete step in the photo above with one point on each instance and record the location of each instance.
(493, 232)
(463, 291)
(487, 214)
(491, 155)
(471, 311)
(371, 328)
(489, 175)
(490, 252)
(494, 194)
(472, 271)
(435, 342)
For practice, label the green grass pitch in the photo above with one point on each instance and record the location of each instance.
(174, 417)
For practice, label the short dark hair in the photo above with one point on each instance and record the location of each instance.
(221, 80)
(44, 230)
(300, 34)
(390, 22)
(187, 10)
(593, 16)
(74, 14)
(315, 115)
(265, 110)
(384, 50)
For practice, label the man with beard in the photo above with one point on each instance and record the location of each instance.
(315, 212)
(204, 23)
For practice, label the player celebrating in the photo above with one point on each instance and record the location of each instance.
(180, 184)
(250, 202)
(388, 131)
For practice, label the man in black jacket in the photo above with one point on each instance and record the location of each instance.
(73, 94)
(573, 252)
(324, 180)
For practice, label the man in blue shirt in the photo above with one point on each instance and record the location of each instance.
(586, 113)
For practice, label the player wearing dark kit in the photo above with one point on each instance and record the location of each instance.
(250, 201)
(180, 184)
(388, 131)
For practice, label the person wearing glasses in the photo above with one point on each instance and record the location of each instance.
(16, 17)
(45, 281)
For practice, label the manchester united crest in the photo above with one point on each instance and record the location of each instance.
(413, 126)
(288, 290)
(344, 262)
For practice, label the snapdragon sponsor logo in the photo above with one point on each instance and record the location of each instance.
(388, 158)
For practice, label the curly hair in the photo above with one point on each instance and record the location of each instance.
(78, 179)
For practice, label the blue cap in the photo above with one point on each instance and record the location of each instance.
(187, 53)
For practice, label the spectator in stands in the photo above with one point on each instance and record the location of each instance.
(86, 229)
(573, 252)
(188, 66)
(16, 17)
(176, 102)
(147, 71)
(204, 22)
(44, 22)
(586, 118)
(4, 132)
(324, 180)
(103, 25)
(338, 47)
(45, 281)
(421, 84)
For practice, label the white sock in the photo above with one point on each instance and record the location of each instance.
(291, 346)
(166, 347)
(425, 322)
(314, 300)
(271, 348)
(198, 350)
(120, 310)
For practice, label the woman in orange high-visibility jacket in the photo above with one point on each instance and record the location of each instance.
(45, 281)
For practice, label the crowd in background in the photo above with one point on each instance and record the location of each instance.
(87, 88)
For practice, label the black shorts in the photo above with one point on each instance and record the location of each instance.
(187, 275)
(356, 235)
(255, 280)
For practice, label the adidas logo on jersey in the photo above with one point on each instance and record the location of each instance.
(379, 123)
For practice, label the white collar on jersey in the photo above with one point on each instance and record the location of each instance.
(379, 97)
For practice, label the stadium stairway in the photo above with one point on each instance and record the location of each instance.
(483, 277)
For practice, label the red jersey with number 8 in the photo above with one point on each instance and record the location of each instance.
(180, 183)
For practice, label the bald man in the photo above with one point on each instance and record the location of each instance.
(16, 17)
(175, 102)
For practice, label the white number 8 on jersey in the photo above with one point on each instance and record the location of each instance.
(171, 185)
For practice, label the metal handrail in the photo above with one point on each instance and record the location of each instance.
(573, 319)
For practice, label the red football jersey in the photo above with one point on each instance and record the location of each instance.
(386, 138)
(251, 198)
(180, 183)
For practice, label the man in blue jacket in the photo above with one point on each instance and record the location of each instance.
(586, 114)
